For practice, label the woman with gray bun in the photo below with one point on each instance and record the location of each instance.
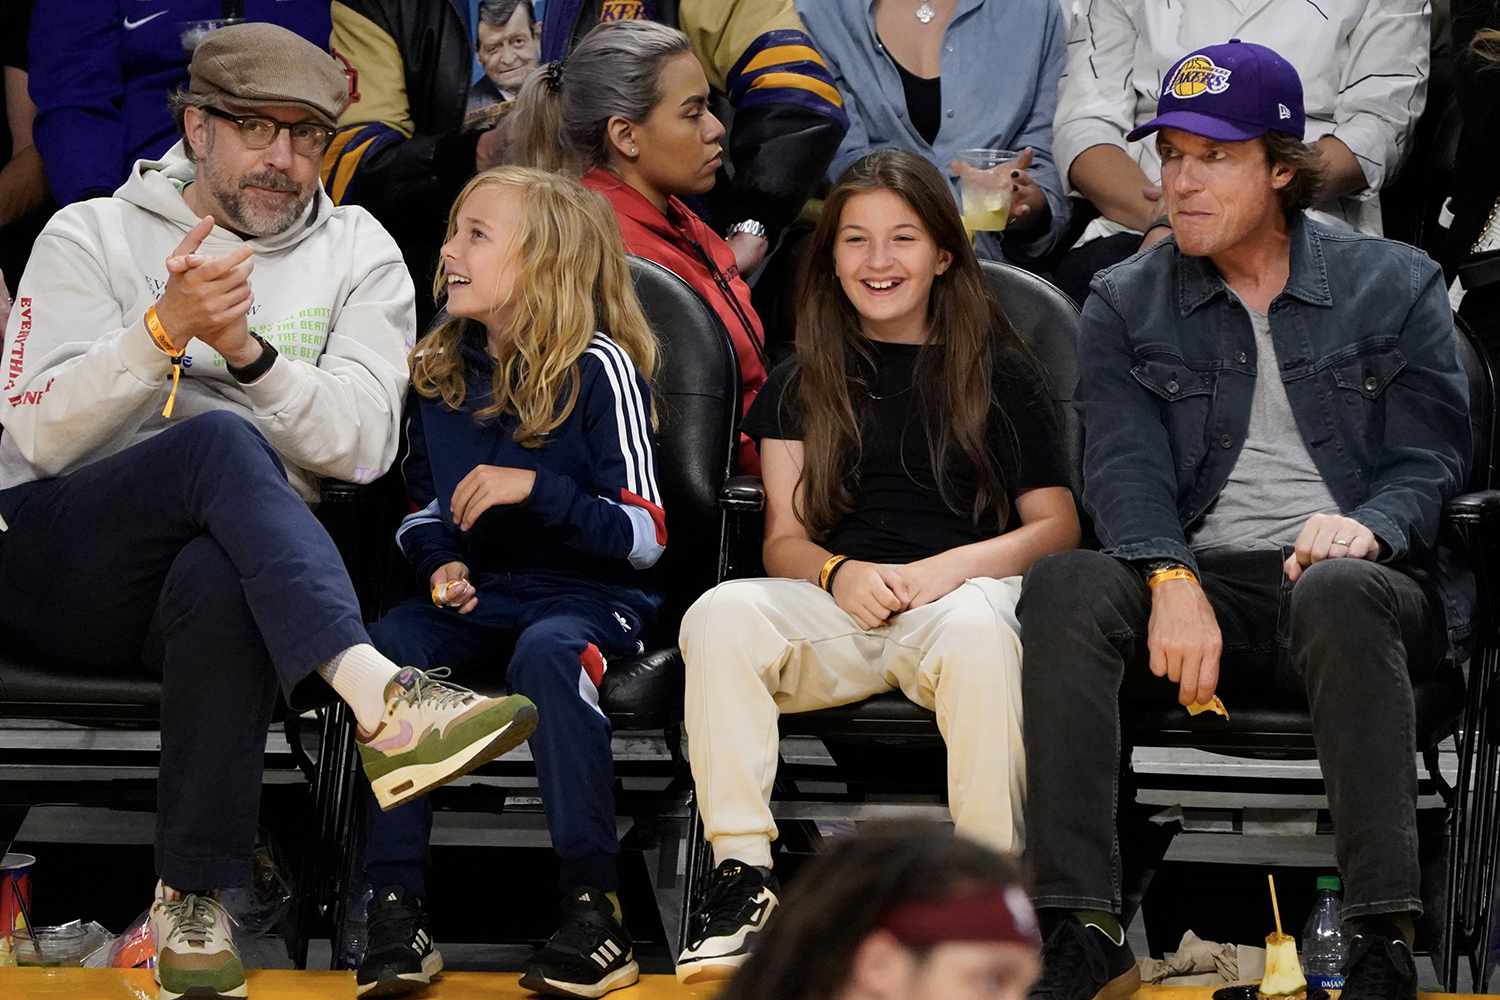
(628, 110)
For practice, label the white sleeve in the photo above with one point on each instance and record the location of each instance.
(1383, 86)
(1096, 95)
(341, 418)
(78, 372)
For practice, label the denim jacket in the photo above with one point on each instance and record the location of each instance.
(1365, 339)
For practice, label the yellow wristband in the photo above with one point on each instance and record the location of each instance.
(1170, 573)
(164, 344)
(827, 571)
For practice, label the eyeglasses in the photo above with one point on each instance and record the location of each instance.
(259, 132)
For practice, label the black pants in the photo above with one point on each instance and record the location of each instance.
(1349, 635)
(1079, 265)
(189, 554)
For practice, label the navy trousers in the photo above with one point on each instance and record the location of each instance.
(191, 555)
(563, 629)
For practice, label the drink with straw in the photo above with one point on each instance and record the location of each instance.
(985, 200)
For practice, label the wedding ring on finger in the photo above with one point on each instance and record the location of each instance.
(1343, 541)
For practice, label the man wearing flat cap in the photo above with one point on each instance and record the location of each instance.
(186, 360)
(1275, 418)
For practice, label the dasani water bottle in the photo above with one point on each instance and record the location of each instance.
(1323, 948)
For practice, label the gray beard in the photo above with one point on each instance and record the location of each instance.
(258, 222)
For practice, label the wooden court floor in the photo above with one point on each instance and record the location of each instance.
(136, 984)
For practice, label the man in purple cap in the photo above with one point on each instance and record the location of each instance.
(1275, 417)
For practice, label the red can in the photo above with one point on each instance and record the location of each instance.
(15, 890)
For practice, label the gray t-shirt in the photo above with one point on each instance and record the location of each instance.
(1274, 487)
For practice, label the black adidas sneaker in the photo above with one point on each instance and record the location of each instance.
(400, 957)
(590, 954)
(737, 907)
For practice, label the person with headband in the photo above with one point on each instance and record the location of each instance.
(1275, 417)
(900, 911)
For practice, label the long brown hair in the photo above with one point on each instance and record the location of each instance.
(841, 895)
(954, 373)
(574, 282)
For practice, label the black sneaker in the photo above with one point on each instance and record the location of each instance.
(736, 909)
(1379, 968)
(1082, 962)
(589, 955)
(400, 957)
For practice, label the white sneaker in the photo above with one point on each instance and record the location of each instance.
(736, 910)
(195, 953)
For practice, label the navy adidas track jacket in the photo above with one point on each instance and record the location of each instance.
(595, 512)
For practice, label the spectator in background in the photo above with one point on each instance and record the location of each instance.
(787, 117)
(934, 85)
(899, 911)
(405, 146)
(1363, 63)
(506, 40)
(1473, 236)
(24, 204)
(101, 70)
(629, 109)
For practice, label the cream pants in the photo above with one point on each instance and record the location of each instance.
(757, 648)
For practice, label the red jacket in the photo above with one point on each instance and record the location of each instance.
(680, 241)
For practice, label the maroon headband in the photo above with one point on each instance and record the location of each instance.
(992, 916)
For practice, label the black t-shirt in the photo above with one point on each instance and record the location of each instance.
(15, 25)
(924, 102)
(899, 515)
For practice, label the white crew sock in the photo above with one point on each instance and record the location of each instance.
(359, 674)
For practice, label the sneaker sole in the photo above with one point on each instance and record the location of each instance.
(1122, 986)
(415, 780)
(625, 975)
(202, 993)
(404, 982)
(711, 970)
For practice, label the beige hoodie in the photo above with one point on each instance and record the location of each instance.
(83, 379)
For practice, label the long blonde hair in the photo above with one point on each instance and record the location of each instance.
(573, 282)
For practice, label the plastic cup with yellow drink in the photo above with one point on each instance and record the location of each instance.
(985, 197)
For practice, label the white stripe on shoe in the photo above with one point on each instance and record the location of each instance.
(625, 975)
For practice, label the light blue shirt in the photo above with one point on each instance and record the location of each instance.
(1001, 62)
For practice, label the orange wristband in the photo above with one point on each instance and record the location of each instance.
(826, 574)
(1171, 573)
(164, 344)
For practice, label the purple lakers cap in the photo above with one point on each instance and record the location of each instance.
(1229, 92)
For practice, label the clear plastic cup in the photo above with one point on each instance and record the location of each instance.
(986, 201)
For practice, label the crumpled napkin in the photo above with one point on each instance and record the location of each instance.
(1205, 963)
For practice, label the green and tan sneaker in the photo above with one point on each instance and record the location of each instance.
(433, 732)
(195, 953)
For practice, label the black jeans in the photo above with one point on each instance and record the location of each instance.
(1348, 636)
(191, 555)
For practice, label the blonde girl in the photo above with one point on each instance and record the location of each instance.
(536, 521)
